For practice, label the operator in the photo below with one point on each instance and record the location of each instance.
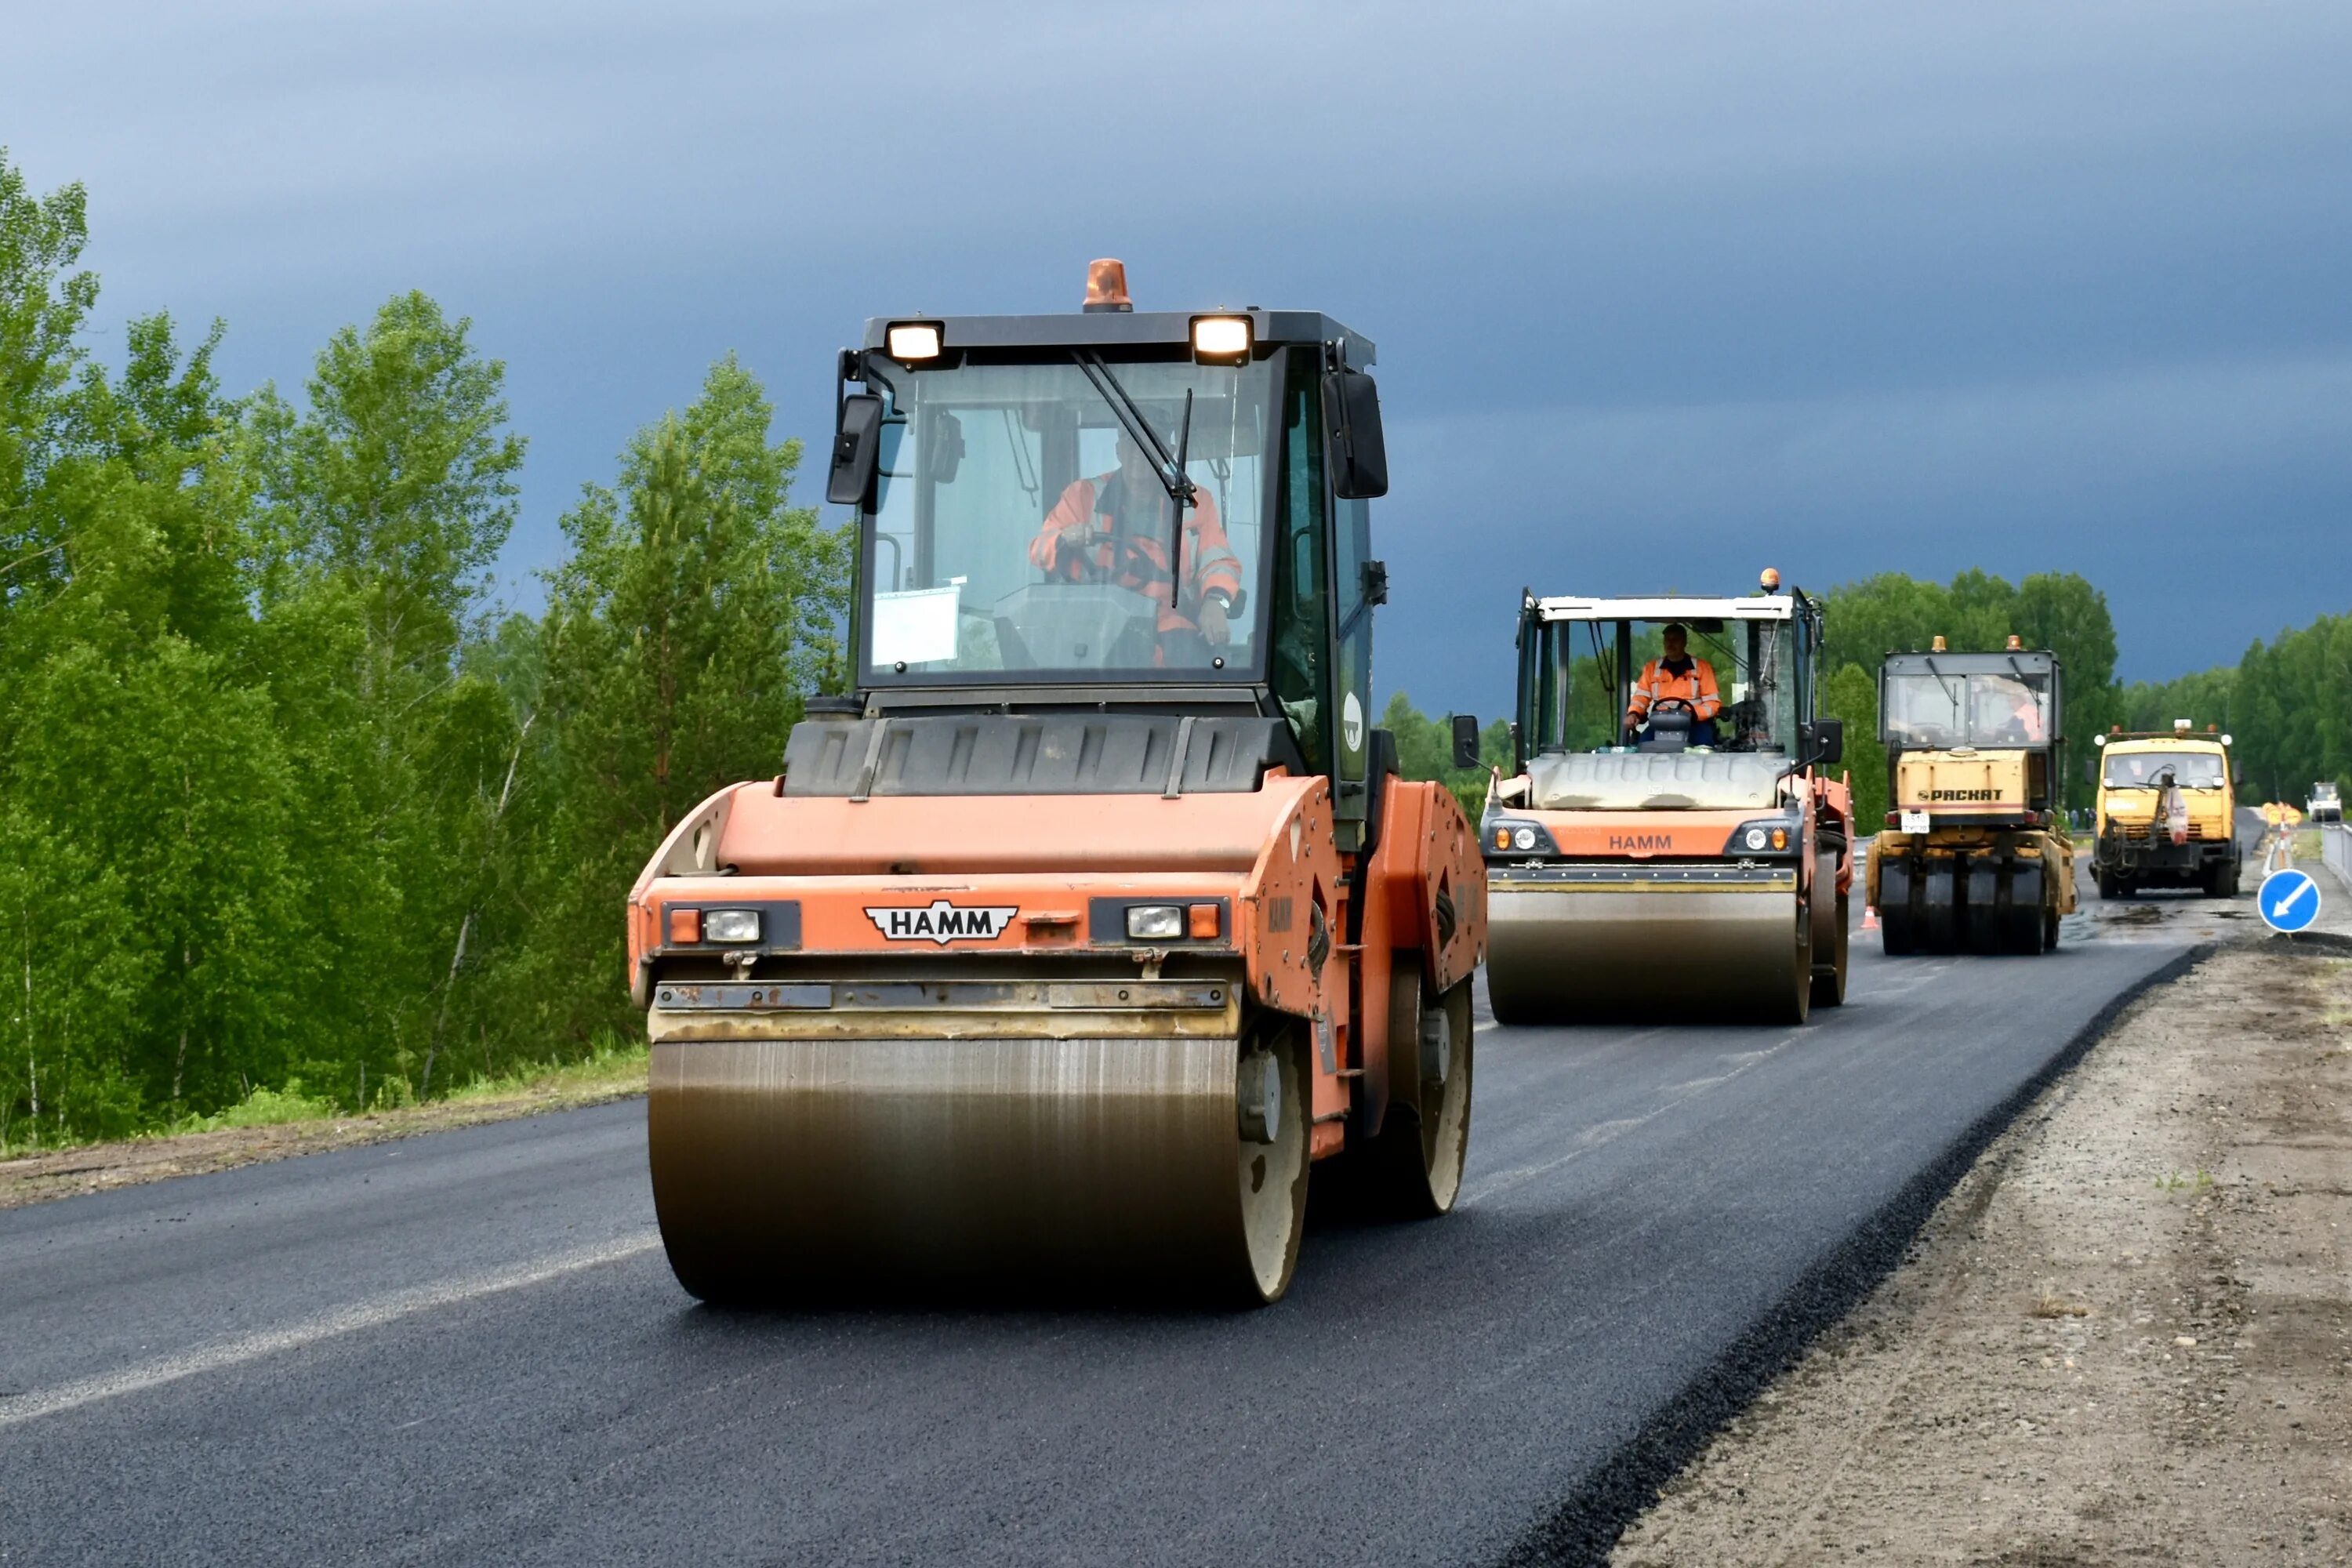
(1113, 528)
(2023, 720)
(1676, 683)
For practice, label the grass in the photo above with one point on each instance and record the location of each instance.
(614, 1067)
(2175, 1181)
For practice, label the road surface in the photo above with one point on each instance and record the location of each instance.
(467, 1347)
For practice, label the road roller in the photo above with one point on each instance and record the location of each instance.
(1974, 857)
(1670, 845)
(1095, 916)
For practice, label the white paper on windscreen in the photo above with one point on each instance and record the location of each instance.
(917, 626)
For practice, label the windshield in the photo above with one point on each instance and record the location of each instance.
(1019, 523)
(1951, 709)
(1736, 682)
(2144, 769)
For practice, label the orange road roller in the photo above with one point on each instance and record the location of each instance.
(1095, 917)
(1671, 846)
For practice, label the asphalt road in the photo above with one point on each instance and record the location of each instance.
(467, 1347)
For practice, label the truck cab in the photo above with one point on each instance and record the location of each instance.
(2167, 811)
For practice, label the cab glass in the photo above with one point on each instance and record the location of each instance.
(1022, 522)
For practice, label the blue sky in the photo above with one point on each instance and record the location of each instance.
(1665, 291)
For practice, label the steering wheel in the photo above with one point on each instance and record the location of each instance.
(1670, 705)
(1091, 569)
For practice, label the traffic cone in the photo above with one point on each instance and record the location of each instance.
(1870, 917)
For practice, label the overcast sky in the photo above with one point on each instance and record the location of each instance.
(1665, 292)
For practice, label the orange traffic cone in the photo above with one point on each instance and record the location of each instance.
(1870, 917)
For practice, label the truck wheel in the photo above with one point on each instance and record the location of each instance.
(1943, 908)
(2024, 927)
(1896, 935)
(2110, 887)
(1983, 916)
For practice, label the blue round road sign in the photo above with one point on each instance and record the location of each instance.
(2289, 900)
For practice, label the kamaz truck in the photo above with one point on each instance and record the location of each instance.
(2167, 815)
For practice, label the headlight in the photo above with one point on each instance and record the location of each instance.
(1221, 340)
(912, 341)
(1505, 837)
(1773, 835)
(731, 925)
(1155, 922)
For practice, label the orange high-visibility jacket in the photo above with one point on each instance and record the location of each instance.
(1141, 555)
(1694, 685)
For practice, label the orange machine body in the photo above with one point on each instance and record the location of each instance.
(908, 880)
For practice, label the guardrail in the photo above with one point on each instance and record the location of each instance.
(2335, 849)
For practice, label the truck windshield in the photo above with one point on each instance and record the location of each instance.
(1948, 708)
(1019, 524)
(2144, 769)
(1576, 696)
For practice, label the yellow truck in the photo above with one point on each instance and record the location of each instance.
(2168, 814)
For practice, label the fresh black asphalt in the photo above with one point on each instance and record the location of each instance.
(466, 1348)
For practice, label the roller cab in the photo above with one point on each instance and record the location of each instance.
(1095, 917)
(1671, 853)
(1973, 856)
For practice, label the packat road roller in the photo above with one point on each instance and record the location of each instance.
(1670, 845)
(1096, 915)
(1974, 857)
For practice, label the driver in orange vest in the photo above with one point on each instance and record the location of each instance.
(1676, 683)
(1114, 528)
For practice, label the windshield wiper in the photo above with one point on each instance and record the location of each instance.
(1170, 469)
(1131, 418)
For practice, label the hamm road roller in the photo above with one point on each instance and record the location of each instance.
(1974, 857)
(1064, 947)
(1669, 847)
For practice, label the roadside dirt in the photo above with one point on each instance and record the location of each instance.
(94, 1167)
(2124, 1338)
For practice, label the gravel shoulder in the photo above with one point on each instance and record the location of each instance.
(2123, 1337)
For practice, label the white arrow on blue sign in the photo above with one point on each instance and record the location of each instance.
(2289, 900)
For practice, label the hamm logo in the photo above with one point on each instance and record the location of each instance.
(942, 922)
(1640, 841)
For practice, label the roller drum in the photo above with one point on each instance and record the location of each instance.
(825, 1168)
(1569, 953)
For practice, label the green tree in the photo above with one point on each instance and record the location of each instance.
(1864, 621)
(1425, 751)
(1850, 693)
(695, 612)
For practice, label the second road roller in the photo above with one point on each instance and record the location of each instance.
(1096, 916)
(1974, 857)
(1671, 844)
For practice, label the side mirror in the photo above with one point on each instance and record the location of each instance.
(857, 449)
(1825, 741)
(1360, 455)
(1465, 741)
(2091, 770)
(2237, 774)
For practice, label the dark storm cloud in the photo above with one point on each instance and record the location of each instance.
(1663, 292)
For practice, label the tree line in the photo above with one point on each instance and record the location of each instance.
(1860, 623)
(2286, 705)
(286, 802)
